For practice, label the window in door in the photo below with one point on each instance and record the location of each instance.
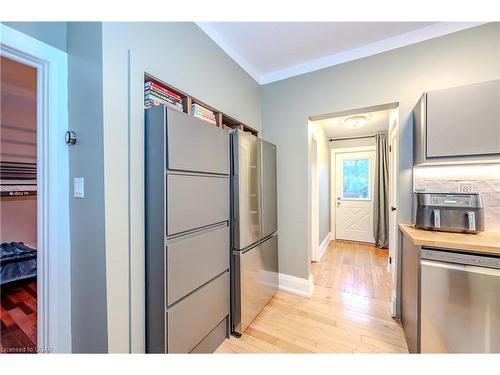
(356, 179)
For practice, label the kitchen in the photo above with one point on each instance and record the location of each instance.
(450, 280)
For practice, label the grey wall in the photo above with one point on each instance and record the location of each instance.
(88, 260)
(400, 76)
(53, 33)
(183, 56)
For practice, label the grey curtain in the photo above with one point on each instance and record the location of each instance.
(381, 192)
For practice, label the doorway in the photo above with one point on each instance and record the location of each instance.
(35, 167)
(18, 206)
(354, 195)
(363, 175)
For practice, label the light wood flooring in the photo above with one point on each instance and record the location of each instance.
(349, 311)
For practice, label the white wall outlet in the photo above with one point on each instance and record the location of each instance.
(465, 187)
(79, 187)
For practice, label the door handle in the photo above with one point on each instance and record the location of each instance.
(393, 208)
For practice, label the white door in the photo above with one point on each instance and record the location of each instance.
(354, 194)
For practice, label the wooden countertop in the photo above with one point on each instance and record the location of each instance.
(487, 242)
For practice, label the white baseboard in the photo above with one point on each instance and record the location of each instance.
(296, 285)
(324, 245)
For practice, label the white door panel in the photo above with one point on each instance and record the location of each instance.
(354, 195)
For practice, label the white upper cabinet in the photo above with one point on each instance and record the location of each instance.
(458, 124)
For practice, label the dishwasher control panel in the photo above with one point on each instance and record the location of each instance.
(460, 258)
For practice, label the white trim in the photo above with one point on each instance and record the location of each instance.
(398, 41)
(296, 285)
(323, 246)
(314, 198)
(425, 33)
(53, 242)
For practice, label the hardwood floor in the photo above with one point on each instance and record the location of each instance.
(349, 311)
(18, 318)
(355, 268)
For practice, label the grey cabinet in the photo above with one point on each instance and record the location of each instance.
(196, 201)
(188, 257)
(457, 124)
(187, 233)
(194, 145)
(410, 281)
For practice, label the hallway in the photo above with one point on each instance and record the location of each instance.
(349, 312)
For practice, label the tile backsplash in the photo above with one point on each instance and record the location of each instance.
(460, 178)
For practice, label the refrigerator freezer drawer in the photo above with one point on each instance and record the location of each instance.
(195, 145)
(194, 259)
(192, 319)
(255, 282)
(196, 201)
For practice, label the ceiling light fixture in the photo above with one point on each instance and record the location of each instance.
(355, 122)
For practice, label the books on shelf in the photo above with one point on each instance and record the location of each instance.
(203, 113)
(155, 95)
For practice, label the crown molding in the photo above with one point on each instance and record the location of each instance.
(384, 45)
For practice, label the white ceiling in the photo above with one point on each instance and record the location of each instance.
(377, 122)
(271, 51)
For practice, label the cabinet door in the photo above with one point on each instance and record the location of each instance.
(196, 145)
(193, 318)
(194, 202)
(464, 121)
(195, 259)
(410, 258)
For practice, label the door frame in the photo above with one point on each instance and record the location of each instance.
(333, 181)
(393, 202)
(53, 230)
(314, 238)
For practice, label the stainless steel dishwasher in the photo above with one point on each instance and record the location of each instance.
(460, 302)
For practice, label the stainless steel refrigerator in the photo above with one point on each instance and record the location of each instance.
(254, 238)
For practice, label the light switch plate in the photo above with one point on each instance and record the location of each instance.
(79, 187)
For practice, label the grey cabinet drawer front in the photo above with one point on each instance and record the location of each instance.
(196, 145)
(195, 259)
(196, 201)
(213, 340)
(193, 318)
